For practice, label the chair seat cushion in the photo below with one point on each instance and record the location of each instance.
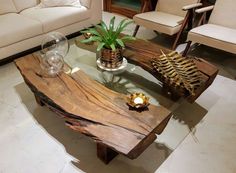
(159, 21)
(57, 17)
(215, 36)
(15, 28)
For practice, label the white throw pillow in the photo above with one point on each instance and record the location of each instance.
(58, 3)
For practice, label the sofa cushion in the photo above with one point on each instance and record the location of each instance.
(7, 6)
(15, 28)
(59, 3)
(215, 36)
(159, 21)
(57, 17)
(23, 4)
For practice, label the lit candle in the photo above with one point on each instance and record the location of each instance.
(138, 100)
(87, 35)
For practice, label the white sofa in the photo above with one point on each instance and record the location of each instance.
(23, 26)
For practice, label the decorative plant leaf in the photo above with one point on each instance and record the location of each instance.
(104, 33)
(109, 37)
(92, 31)
(111, 26)
(100, 46)
(178, 71)
(127, 38)
(119, 27)
(113, 47)
(104, 26)
(94, 38)
(126, 24)
(120, 42)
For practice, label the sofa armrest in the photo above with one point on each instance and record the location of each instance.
(191, 6)
(86, 3)
(204, 9)
(95, 9)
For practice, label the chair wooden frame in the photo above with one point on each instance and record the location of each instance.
(187, 21)
(202, 21)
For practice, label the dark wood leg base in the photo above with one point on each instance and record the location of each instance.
(38, 100)
(136, 30)
(105, 154)
(170, 93)
(187, 49)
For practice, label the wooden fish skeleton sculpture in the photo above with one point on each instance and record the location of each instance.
(178, 72)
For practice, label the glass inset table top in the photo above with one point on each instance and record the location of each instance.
(132, 79)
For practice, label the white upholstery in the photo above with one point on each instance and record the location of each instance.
(217, 36)
(23, 4)
(86, 3)
(224, 13)
(162, 22)
(35, 41)
(20, 46)
(161, 18)
(56, 17)
(220, 32)
(59, 3)
(20, 32)
(15, 28)
(7, 6)
(174, 6)
(167, 18)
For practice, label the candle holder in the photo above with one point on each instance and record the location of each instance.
(87, 35)
(138, 101)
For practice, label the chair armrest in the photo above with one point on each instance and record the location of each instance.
(191, 6)
(204, 9)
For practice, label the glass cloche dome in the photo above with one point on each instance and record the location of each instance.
(54, 48)
(55, 42)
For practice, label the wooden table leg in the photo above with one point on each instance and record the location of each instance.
(105, 154)
(38, 100)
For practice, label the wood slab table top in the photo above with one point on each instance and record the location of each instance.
(140, 52)
(94, 110)
(100, 113)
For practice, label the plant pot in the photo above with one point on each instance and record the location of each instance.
(111, 59)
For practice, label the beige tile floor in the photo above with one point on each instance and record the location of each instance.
(199, 138)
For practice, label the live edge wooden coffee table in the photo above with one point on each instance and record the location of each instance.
(97, 108)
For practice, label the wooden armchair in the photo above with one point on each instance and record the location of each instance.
(170, 17)
(220, 31)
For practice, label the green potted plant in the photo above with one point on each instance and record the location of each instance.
(110, 41)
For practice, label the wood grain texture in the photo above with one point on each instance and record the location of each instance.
(94, 110)
(141, 52)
